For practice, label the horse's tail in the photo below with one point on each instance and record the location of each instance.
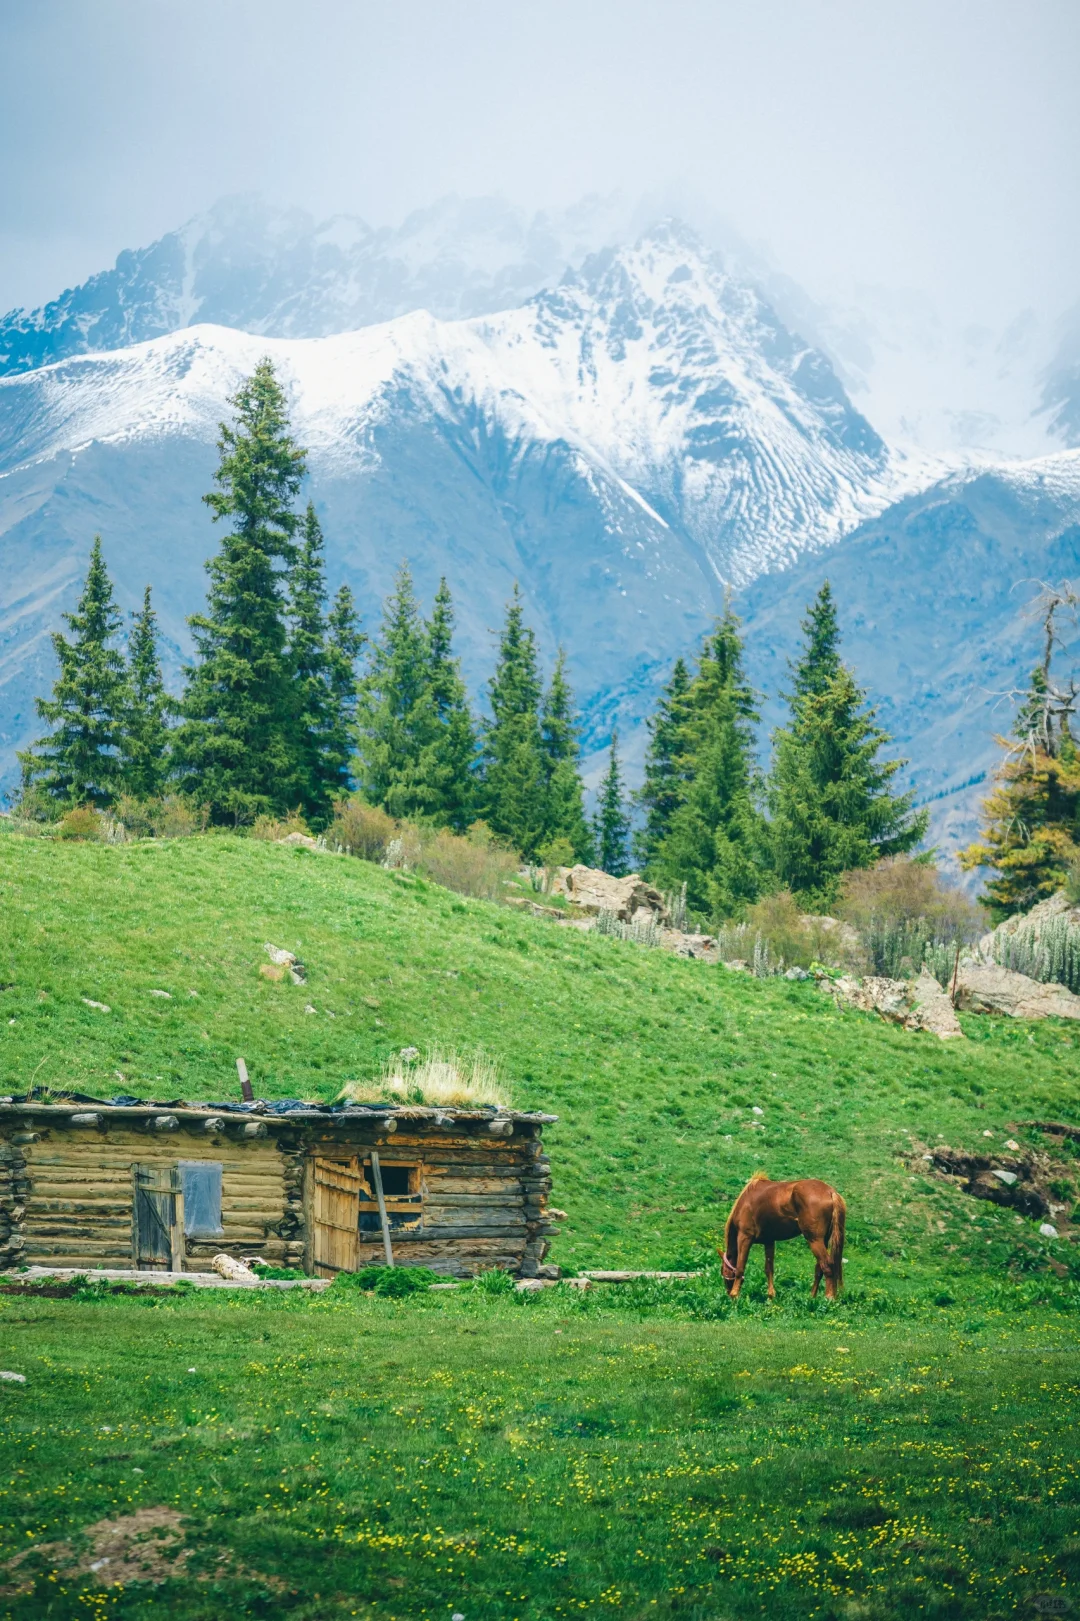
(836, 1240)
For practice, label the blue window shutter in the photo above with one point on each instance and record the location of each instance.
(202, 1198)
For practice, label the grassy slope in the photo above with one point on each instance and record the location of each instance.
(653, 1064)
(650, 1453)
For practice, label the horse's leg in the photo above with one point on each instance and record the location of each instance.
(823, 1269)
(770, 1251)
(740, 1263)
(817, 1279)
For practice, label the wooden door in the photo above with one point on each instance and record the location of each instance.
(157, 1219)
(336, 1211)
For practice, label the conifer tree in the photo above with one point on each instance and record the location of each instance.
(453, 744)
(1031, 832)
(820, 661)
(611, 826)
(559, 743)
(322, 657)
(715, 840)
(395, 713)
(79, 761)
(833, 808)
(661, 792)
(236, 745)
(144, 745)
(344, 643)
(514, 792)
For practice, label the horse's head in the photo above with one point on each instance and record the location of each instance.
(727, 1271)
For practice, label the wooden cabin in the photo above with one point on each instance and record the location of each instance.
(166, 1187)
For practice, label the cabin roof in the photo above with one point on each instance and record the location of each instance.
(279, 1111)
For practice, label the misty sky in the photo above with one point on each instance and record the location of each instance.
(925, 145)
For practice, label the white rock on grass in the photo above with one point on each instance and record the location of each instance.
(1048, 1229)
(13, 1378)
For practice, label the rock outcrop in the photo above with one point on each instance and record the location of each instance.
(594, 891)
(985, 987)
(1046, 911)
(916, 1004)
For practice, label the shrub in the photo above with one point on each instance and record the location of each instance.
(83, 822)
(436, 1078)
(394, 1281)
(475, 864)
(173, 816)
(35, 805)
(494, 1281)
(361, 829)
(272, 828)
(906, 914)
(642, 929)
(1049, 952)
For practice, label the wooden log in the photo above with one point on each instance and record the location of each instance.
(376, 1174)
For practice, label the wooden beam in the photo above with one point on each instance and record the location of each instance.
(376, 1176)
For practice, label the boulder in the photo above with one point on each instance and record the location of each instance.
(985, 987)
(286, 961)
(304, 840)
(594, 891)
(932, 1009)
(916, 1004)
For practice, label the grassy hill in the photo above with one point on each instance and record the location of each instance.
(642, 1452)
(654, 1065)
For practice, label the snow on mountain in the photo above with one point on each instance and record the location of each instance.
(279, 272)
(623, 444)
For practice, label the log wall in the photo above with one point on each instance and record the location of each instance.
(77, 1192)
(66, 1191)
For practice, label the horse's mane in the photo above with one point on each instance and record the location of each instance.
(758, 1176)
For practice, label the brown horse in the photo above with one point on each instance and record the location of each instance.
(766, 1211)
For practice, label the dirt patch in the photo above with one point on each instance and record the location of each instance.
(1017, 1181)
(147, 1546)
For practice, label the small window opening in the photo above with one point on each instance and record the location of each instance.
(201, 1181)
(395, 1181)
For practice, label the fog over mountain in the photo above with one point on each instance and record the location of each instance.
(624, 416)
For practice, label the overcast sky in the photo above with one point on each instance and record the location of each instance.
(930, 144)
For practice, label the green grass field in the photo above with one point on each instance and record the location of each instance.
(910, 1451)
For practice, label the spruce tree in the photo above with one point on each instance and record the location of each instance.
(611, 826)
(662, 790)
(820, 661)
(715, 840)
(322, 658)
(344, 643)
(514, 791)
(79, 761)
(559, 744)
(833, 808)
(144, 746)
(452, 749)
(395, 714)
(236, 745)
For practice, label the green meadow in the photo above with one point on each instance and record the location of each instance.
(629, 1451)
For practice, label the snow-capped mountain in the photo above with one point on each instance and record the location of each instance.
(281, 273)
(623, 444)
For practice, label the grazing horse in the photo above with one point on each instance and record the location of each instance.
(766, 1211)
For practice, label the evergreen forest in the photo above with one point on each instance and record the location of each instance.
(289, 709)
